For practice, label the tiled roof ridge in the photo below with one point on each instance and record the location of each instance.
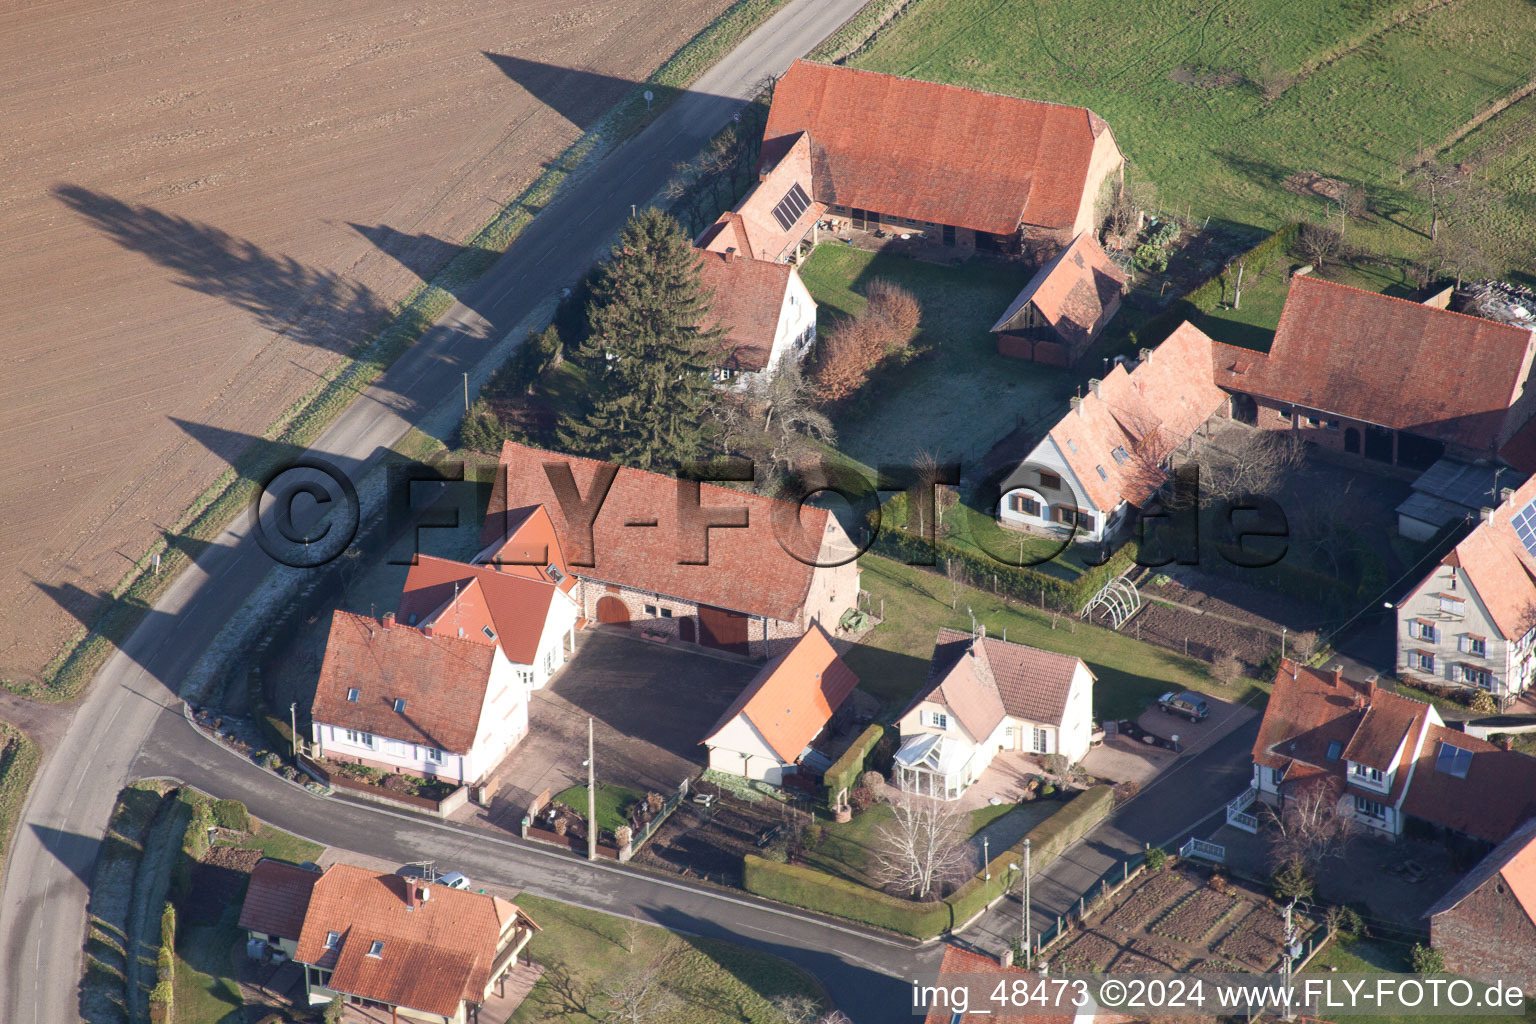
(379, 627)
(1313, 279)
(959, 88)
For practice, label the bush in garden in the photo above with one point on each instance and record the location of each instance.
(1157, 858)
(1482, 703)
(231, 814)
(1427, 959)
(623, 836)
(1151, 259)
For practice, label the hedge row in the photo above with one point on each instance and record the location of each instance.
(1022, 582)
(162, 1009)
(845, 771)
(815, 890)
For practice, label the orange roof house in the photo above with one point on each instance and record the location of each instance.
(1066, 304)
(941, 154)
(1387, 757)
(640, 549)
(276, 901)
(764, 309)
(1456, 380)
(1469, 620)
(766, 730)
(1112, 451)
(1486, 923)
(401, 942)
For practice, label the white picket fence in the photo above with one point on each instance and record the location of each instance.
(1237, 811)
(1214, 852)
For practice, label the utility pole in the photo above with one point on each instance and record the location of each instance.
(293, 724)
(1028, 953)
(1290, 941)
(466, 392)
(591, 796)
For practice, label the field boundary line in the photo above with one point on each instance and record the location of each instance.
(124, 605)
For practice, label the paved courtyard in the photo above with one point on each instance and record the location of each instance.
(651, 704)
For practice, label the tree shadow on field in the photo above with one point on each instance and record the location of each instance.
(309, 305)
(579, 96)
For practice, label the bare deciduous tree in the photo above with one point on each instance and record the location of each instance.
(845, 361)
(1312, 827)
(1133, 195)
(954, 572)
(1437, 181)
(805, 1010)
(1321, 244)
(640, 995)
(923, 847)
(894, 313)
(1225, 668)
(1258, 464)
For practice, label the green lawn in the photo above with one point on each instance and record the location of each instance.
(206, 992)
(847, 847)
(967, 395)
(279, 845)
(1375, 956)
(892, 661)
(586, 952)
(18, 764)
(1370, 82)
(612, 803)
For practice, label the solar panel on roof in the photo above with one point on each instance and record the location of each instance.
(1453, 760)
(791, 206)
(1525, 527)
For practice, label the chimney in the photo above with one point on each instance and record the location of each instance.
(426, 630)
(388, 620)
(1370, 688)
(410, 894)
(1486, 514)
(1338, 674)
(1505, 493)
(1146, 355)
(1093, 386)
(1077, 405)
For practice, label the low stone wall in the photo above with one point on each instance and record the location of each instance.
(438, 808)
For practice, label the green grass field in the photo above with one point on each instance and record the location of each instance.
(892, 661)
(585, 953)
(959, 397)
(1355, 89)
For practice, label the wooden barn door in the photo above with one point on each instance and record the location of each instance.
(723, 629)
(613, 611)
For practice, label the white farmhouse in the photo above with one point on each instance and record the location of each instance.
(766, 732)
(765, 311)
(1111, 453)
(984, 696)
(440, 689)
(1472, 620)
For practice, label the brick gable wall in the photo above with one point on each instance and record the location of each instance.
(1488, 933)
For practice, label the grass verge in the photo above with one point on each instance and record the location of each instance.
(125, 605)
(586, 953)
(19, 758)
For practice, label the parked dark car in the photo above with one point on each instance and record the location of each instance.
(1191, 705)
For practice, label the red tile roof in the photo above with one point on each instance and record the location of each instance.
(1513, 860)
(441, 678)
(982, 679)
(1498, 567)
(1071, 291)
(748, 570)
(961, 961)
(1145, 413)
(1498, 794)
(1385, 361)
(790, 700)
(277, 898)
(751, 228)
(455, 597)
(933, 152)
(748, 299)
(434, 956)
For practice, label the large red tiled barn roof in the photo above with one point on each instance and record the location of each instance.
(933, 152)
(1387, 361)
(636, 543)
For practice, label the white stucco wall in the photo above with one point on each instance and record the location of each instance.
(1509, 661)
(1047, 456)
(739, 737)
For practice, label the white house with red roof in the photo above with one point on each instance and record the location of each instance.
(440, 687)
(768, 730)
(1113, 449)
(697, 562)
(1391, 761)
(1472, 620)
(765, 311)
(984, 696)
(416, 950)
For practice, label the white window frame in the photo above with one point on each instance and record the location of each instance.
(359, 738)
(1366, 772)
(1368, 808)
(938, 719)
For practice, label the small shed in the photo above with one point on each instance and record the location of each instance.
(1065, 306)
(1452, 491)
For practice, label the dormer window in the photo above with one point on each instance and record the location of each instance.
(399, 705)
(332, 940)
(376, 948)
(1366, 772)
(352, 694)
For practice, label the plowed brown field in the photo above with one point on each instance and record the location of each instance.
(201, 204)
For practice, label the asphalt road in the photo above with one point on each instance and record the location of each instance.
(1164, 814)
(42, 911)
(859, 969)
